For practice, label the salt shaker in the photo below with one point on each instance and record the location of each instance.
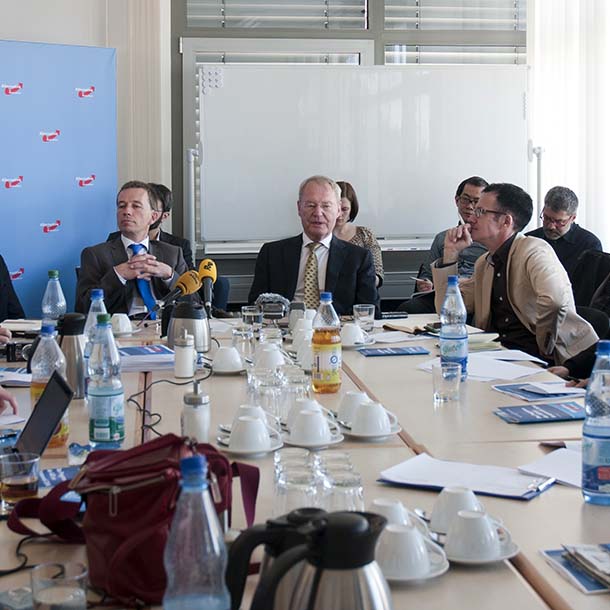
(195, 417)
(184, 355)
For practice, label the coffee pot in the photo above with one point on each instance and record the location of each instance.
(194, 319)
(336, 566)
(70, 328)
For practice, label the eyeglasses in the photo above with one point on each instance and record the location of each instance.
(554, 221)
(466, 200)
(325, 206)
(478, 212)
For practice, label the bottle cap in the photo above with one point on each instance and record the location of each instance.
(103, 318)
(196, 398)
(184, 340)
(196, 464)
(97, 293)
(326, 296)
(452, 280)
(53, 274)
(603, 348)
(47, 329)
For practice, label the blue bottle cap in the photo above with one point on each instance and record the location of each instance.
(452, 280)
(603, 348)
(97, 293)
(194, 465)
(47, 329)
(326, 296)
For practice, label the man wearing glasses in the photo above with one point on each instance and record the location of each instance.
(300, 267)
(466, 198)
(519, 289)
(560, 231)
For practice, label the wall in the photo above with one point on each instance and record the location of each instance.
(140, 31)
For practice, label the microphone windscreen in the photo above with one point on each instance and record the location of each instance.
(207, 268)
(189, 282)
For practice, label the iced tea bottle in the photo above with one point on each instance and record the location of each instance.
(326, 346)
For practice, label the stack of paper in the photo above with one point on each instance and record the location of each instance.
(15, 378)
(564, 465)
(547, 390)
(586, 566)
(146, 358)
(484, 368)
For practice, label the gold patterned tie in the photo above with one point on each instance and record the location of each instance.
(311, 289)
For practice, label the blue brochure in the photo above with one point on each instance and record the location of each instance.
(541, 413)
(410, 350)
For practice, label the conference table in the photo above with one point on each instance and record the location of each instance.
(467, 432)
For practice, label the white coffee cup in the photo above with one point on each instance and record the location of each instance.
(312, 428)
(120, 323)
(404, 553)
(227, 360)
(371, 418)
(351, 334)
(397, 513)
(349, 402)
(475, 536)
(305, 404)
(450, 501)
(300, 337)
(269, 356)
(255, 411)
(310, 314)
(294, 316)
(249, 434)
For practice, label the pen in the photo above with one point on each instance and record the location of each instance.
(545, 484)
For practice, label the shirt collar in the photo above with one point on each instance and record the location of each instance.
(500, 256)
(127, 242)
(570, 236)
(325, 242)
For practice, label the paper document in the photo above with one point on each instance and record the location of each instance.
(553, 387)
(9, 420)
(519, 390)
(511, 355)
(12, 379)
(483, 368)
(22, 326)
(427, 472)
(561, 464)
(394, 337)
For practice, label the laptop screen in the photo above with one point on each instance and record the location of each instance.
(45, 416)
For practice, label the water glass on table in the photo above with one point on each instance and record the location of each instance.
(18, 478)
(59, 585)
(252, 315)
(446, 382)
(364, 316)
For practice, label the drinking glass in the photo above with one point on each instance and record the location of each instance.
(293, 387)
(345, 492)
(446, 382)
(271, 334)
(243, 341)
(295, 489)
(364, 316)
(18, 478)
(59, 585)
(252, 315)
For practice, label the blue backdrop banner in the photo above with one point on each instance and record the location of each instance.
(58, 166)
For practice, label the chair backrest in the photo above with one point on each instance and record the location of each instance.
(599, 320)
(590, 271)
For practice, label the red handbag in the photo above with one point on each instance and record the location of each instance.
(130, 500)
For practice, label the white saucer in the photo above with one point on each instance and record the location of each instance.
(237, 372)
(315, 447)
(126, 333)
(223, 442)
(435, 569)
(511, 550)
(371, 438)
(369, 341)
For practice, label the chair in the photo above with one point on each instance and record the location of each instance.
(599, 320)
(590, 271)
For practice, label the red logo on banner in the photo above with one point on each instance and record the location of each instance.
(12, 89)
(16, 275)
(47, 227)
(12, 183)
(85, 92)
(50, 136)
(85, 181)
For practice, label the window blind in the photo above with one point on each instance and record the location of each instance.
(274, 58)
(455, 14)
(427, 54)
(314, 14)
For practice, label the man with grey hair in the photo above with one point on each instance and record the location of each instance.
(300, 267)
(560, 231)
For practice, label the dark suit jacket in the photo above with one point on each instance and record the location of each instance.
(97, 271)
(350, 273)
(10, 307)
(168, 238)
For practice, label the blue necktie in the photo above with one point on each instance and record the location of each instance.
(144, 285)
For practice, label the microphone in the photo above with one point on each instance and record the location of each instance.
(187, 283)
(207, 273)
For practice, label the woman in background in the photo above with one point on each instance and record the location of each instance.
(359, 236)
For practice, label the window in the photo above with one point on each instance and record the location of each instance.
(428, 54)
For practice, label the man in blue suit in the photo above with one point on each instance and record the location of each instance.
(289, 266)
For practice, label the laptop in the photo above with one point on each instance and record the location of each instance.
(44, 418)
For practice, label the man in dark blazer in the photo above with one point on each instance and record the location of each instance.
(343, 269)
(10, 307)
(112, 265)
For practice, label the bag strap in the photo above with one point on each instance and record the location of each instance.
(59, 517)
(249, 478)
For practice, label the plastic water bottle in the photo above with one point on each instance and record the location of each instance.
(97, 307)
(596, 431)
(53, 301)
(454, 336)
(47, 359)
(326, 347)
(195, 555)
(105, 396)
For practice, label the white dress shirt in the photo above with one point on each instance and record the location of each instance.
(322, 255)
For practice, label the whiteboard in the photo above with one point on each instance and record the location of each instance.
(404, 136)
